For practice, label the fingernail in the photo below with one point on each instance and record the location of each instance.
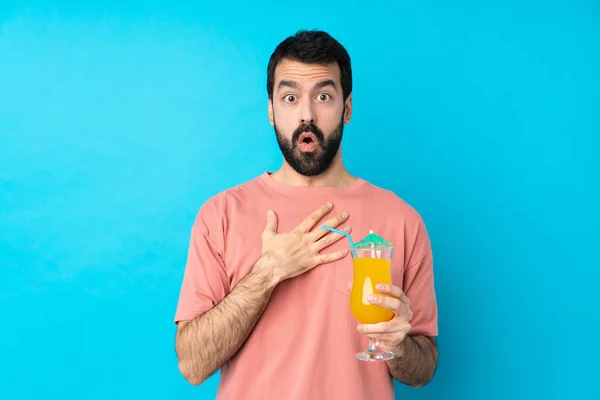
(380, 286)
(344, 215)
(347, 229)
(345, 251)
(329, 205)
(372, 297)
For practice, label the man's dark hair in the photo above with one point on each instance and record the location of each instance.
(311, 47)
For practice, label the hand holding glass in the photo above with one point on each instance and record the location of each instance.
(371, 258)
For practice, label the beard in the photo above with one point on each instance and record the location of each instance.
(315, 162)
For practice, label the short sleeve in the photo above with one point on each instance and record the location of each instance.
(419, 286)
(205, 281)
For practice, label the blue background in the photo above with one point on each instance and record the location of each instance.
(118, 120)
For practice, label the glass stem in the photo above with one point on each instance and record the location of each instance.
(373, 345)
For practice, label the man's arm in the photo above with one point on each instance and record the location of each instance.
(416, 355)
(415, 362)
(204, 344)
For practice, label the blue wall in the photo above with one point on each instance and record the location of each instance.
(117, 122)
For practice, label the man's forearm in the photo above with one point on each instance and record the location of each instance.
(204, 344)
(416, 361)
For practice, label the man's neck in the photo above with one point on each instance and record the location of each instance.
(336, 176)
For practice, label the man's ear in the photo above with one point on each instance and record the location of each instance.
(270, 107)
(348, 109)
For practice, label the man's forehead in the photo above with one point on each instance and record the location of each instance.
(306, 74)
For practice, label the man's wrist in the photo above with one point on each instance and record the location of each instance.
(267, 269)
(400, 349)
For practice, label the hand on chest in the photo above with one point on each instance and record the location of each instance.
(243, 241)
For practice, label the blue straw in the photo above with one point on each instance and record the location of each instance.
(343, 233)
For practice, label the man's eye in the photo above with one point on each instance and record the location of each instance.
(323, 97)
(290, 98)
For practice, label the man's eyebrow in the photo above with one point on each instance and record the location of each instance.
(290, 84)
(325, 83)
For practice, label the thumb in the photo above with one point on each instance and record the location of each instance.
(271, 225)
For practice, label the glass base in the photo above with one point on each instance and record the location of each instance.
(375, 353)
(382, 356)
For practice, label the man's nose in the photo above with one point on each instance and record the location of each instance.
(307, 114)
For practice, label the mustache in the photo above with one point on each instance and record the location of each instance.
(314, 129)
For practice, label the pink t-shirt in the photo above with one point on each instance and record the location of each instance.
(304, 344)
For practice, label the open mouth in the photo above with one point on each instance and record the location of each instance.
(307, 142)
(307, 138)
